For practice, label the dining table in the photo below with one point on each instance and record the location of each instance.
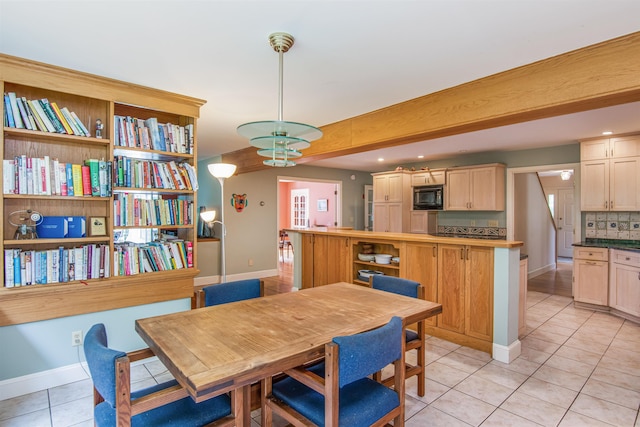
(228, 347)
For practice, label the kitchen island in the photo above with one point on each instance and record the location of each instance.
(476, 280)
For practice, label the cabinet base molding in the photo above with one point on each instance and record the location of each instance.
(461, 339)
(507, 354)
(610, 310)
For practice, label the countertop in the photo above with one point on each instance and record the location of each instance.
(409, 237)
(627, 245)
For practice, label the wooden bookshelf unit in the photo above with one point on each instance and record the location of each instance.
(94, 98)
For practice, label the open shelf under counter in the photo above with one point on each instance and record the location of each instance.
(392, 266)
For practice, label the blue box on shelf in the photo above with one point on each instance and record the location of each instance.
(77, 226)
(52, 227)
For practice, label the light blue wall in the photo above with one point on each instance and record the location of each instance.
(40, 346)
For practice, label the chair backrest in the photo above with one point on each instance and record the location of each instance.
(396, 285)
(232, 291)
(363, 354)
(102, 362)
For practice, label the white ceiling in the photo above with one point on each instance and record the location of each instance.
(350, 57)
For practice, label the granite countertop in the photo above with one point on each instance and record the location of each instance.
(627, 245)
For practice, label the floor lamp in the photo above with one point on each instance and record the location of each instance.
(222, 171)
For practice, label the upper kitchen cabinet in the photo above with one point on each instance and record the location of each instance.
(610, 174)
(478, 188)
(610, 148)
(392, 201)
(428, 177)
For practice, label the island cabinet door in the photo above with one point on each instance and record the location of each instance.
(451, 287)
(479, 292)
(331, 260)
(421, 264)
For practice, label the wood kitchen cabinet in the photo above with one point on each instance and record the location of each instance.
(425, 222)
(423, 258)
(591, 275)
(325, 260)
(429, 177)
(624, 282)
(465, 290)
(480, 188)
(610, 174)
(392, 201)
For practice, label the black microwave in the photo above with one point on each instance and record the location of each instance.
(429, 197)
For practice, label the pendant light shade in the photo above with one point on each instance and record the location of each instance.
(279, 140)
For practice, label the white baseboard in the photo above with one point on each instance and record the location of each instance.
(507, 354)
(541, 270)
(19, 386)
(31, 383)
(211, 280)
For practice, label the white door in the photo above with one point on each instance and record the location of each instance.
(565, 223)
(300, 208)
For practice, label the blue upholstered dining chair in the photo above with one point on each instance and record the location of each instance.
(233, 291)
(165, 404)
(343, 381)
(415, 340)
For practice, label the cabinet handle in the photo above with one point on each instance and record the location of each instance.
(590, 263)
(467, 254)
(461, 253)
(606, 206)
(435, 252)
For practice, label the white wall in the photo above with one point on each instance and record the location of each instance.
(533, 224)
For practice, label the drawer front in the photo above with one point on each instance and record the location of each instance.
(625, 257)
(596, 254)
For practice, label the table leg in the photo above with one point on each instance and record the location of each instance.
(242, 406)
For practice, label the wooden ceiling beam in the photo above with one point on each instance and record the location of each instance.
(596, 76)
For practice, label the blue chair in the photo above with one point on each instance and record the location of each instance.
(415, 340)
(233, 291)
(165, 404)
(338, 391)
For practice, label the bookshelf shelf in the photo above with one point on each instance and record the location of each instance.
(54, 137)
(93, 100)
(48, 242)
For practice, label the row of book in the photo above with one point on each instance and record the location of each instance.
(61, 265)
(41, 115)
(150, 135)
(136, 173)
(136, 210)
(131, 259)
(46, 176)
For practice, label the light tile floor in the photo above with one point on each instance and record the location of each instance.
(578, 368)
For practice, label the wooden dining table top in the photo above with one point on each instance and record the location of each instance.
(216, 349)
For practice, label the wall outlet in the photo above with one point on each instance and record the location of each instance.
(493, 222)
(250, 262)
(76, 338)
(472, 223)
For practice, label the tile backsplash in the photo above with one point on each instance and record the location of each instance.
(613, 225)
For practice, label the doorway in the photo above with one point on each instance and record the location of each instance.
(545, 258)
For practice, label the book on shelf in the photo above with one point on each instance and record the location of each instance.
(15, 110)
(8, 110)
(58, 114)
(94, 176)
(40, 115)
(48, 110)
(86, 180)
(23, 114)
(78, 187)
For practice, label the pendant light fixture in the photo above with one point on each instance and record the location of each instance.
(279, 140)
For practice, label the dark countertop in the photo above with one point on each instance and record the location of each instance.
(627, 245)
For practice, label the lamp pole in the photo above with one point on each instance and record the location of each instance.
(223, 262)
(222, 171)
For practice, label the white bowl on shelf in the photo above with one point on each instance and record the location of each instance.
(383, 258)
(366, 257)
(395, 260)
(364, 274)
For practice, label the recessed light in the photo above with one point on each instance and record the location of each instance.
(380, 159)
(421, 157)
(607, 132)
